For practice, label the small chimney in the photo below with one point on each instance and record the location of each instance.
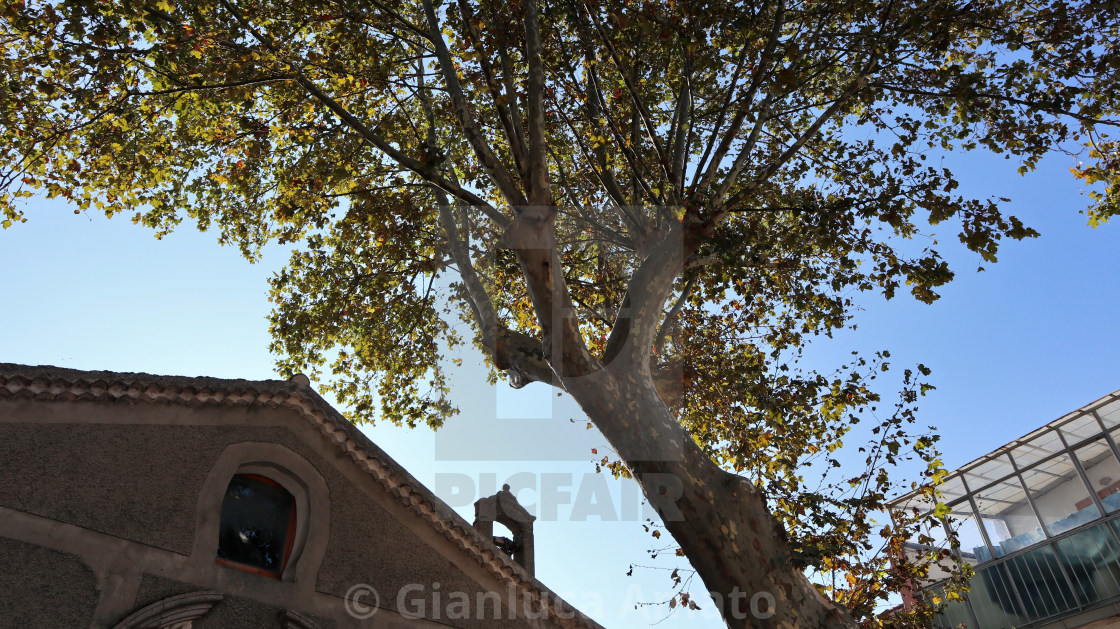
(503, 508)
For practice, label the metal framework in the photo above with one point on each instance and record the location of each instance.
(1042, 515)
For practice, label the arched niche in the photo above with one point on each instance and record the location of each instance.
(288, 470)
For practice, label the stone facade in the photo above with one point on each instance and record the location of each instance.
(111, 496)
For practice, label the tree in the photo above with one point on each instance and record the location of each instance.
(649, 205)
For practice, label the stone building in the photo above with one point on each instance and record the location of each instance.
(132, 501)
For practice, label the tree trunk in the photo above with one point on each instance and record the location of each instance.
(720, 520)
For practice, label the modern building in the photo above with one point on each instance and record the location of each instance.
(1039, 521)
(131, 501)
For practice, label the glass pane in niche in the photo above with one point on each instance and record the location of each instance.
(257, 521)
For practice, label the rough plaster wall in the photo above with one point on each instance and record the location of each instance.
(240, 613)
(98, 490)
(231, 610)
(137, 482)
(42, 588)
(369, 546)
(153, 588)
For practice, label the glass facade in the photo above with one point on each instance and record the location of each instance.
(1039, 521)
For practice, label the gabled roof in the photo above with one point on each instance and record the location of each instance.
(48, 384)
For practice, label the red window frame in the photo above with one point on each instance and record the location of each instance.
(288, 543)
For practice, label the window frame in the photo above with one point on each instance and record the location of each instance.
(291, 471)
(290, 535)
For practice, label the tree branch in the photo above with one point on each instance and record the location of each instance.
(1057, 111)
(632, 335)
(471, 131)
(515, 109)
(632, 89)
(540, 189)
(399, 18)
(633, 160)
(852, 88)
(722, 114)
(683, 127)
(668, 323)
(369, 135)
(516, 141)
(215, 86)
(521, 357)
(413, 165)
(756, 80)
(608, 183)
(481, 304)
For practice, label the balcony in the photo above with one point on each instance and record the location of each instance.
(1047, 582)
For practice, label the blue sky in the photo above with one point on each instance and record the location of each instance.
(1011, 348)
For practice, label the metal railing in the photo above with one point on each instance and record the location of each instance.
(1060, 577)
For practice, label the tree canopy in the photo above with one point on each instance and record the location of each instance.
(652, 205)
